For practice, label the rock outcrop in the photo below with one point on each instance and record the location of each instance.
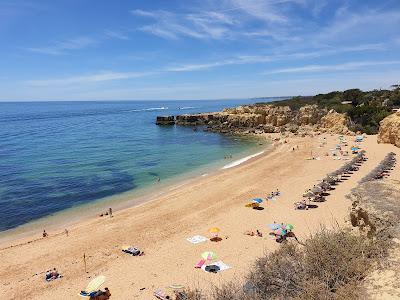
(335, 122)
(389, 130)
(267, 118)
(165, 120)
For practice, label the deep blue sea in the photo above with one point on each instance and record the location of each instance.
(58, 155)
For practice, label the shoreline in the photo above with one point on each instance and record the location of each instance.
(160, 227)
(59, 221)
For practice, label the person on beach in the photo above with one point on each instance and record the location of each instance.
(110, 212)
(158, 179)
(66, 231)
(45, 234)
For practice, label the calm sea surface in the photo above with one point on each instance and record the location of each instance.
(58, 155)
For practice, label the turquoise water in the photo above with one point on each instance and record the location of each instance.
(59, 155)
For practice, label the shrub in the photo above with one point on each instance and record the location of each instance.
(330, 265)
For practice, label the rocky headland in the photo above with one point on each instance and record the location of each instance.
(265, 118)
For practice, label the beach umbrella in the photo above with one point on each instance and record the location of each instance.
(316, 189)
(289, 227)
(257, 200)
(274, 226)
(309, 194)
(209, 255)
(95, 284)
(282, 231)
(214, 230)
(176, 287)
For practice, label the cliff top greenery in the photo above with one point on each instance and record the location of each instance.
(365, 109)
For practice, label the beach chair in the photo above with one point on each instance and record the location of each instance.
(159, 294)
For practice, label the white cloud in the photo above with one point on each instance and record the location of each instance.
(332, 68)
(64, 46)
(254, 59)
(203, 25)
(260, 9)
(85, 79)
(236, 60)
(116, 35)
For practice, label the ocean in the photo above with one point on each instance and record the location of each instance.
(56, 156)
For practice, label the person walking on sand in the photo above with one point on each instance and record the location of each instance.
(66, 231)
(45, 233)
(110, 212)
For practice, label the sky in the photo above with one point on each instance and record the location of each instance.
(206, 49)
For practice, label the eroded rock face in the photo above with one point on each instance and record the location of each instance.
(165, 120)
(375, 209)
(335, 122)
(268, 118)
(389, 130)
(310, 115)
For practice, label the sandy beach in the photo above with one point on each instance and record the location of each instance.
(160, 227)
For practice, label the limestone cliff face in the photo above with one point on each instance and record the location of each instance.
(269, 118)
(310, 115)
(389, 130)
(335, 122)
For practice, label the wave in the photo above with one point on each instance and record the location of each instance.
(149, 109)
(186, 107)
(240, 161)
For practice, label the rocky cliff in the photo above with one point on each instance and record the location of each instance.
(269, 118)
(389, 130)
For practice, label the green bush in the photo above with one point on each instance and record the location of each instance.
(330, 265)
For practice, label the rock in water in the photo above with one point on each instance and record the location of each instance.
(165, 120)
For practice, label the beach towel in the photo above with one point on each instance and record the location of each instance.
(220, 264)
(197, 239)
(200, 264)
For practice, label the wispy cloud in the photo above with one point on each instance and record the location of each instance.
(85, 79)
(235, 60)
(116, 35)
(261, 9)
(256, 59)
(169, 25)
(333, 68)
(64, 46)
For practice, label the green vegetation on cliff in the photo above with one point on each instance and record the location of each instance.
(365, 109)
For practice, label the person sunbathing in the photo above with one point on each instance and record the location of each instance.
(248, 232)
(100, 295)
(300, 205)
(259, 233)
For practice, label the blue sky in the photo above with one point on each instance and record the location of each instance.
(208, 49)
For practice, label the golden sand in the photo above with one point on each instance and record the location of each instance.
(160, 228)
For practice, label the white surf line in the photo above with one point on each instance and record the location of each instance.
(240, 161)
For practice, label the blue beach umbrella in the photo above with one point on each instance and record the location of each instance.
(274, 226)
(354, 148)
(257, 200)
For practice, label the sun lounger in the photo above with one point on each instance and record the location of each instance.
(200, 264)
(159, 294)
